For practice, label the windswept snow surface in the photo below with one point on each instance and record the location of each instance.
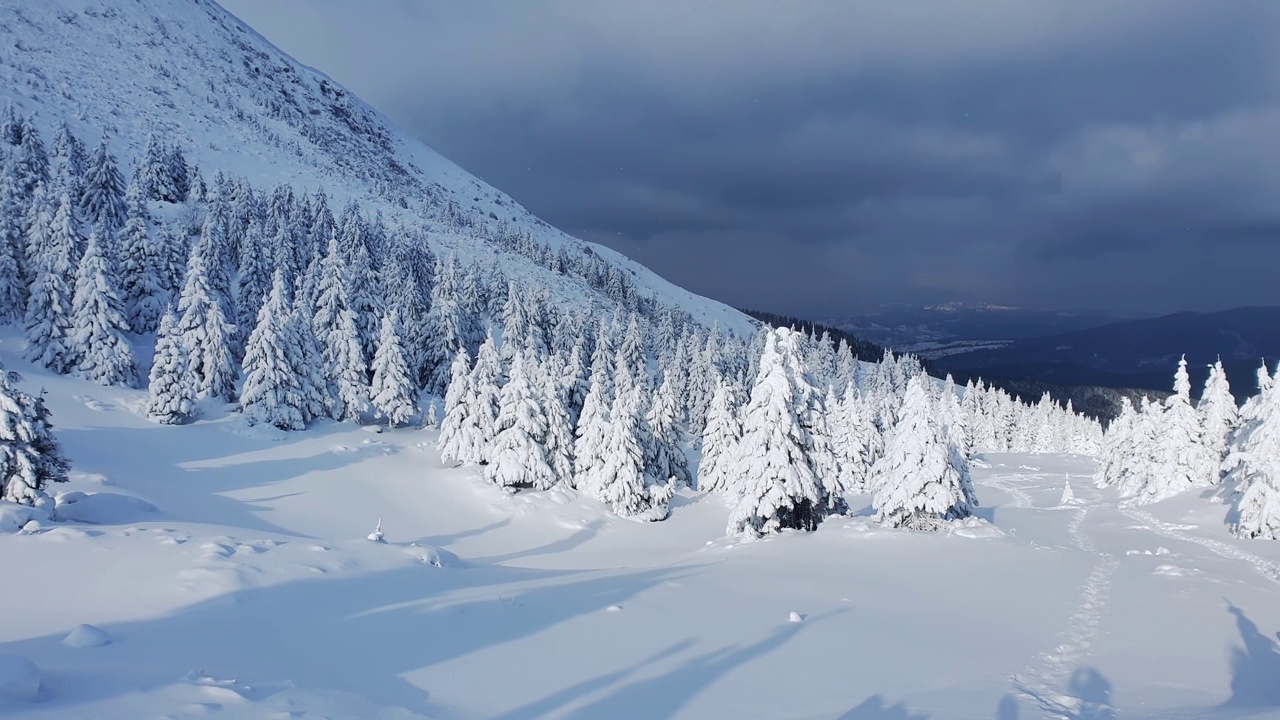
(237, 583)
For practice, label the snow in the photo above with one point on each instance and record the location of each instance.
(86, 636)
(233, 102)
(99, 508)
(253, 592)
(19, 679)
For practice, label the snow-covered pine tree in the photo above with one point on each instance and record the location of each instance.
(1255, 468)
(922, 480)
(1219, 417)
(172, 389)
(13, 255)
(30, 161)
(620, 482)
(592, 427)
(486, 385)
(659, 433)
(459, 441)
(317, 399)
(272, 393)
(64, 240)
(103, 200)
(576, 381)
(1138, 450)
(775, 483)
(67, 163)
(206, 334)
(365, 288)
(253, 280)
(720, 438)
(179, 176)
(30, 456)
(1184, 461)
(48, 317)
(152, 174)
(142, 281)
(518, 456)
(394, 390)
(98, 326)
(855, 438)
(560, 439)
(813, 418)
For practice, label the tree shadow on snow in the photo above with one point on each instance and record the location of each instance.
(1255, 668)
(191, 466)
(874, 708)
(358, 635)
(579, 537)
(662, 695)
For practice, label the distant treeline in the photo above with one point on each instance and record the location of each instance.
(1100, 402)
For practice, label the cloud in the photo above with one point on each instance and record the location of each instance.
(808, 156)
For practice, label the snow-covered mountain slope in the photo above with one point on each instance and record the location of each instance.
(227, 570)
(234, 102)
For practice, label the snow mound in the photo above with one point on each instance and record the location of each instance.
(86, 636)
(795, 617)
(1174, 571)
(19, 679)
(434, 556)
(976, 529)
(14, 517)
(102, 508)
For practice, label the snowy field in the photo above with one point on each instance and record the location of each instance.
(229, 573)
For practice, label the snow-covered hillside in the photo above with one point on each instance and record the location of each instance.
(192, 72)
(228, 571)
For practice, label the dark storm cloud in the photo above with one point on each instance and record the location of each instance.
(807, 156)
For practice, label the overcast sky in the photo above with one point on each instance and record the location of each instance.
(808, 156)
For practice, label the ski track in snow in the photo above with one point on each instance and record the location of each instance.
(1020, 499)
(1265, 568)
(1044, 683)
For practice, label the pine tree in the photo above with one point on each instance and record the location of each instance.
(518, 457)
(1218, 417)
(922, 480)
(272, 392)
(31, 163)
(254, 279)
(13, 260)
(335, 326)
(103, 200)
(98, 324)
(1255, 467)
(144, 282)
(172, 388)
(1184, 460)
(68, 162)
(486, 382)
(393, 387)
(855, 439)
(206, 334)
(152, 174)
(30, 456)
(48, 317)
(458, 441)
(620, 481)
(1139, 450)
(776, 485)
(317, 398)
(664, 459)
(179, 176)
(560, 438)
(592, 427)
(720, 439)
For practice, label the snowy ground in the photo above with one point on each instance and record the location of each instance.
(250, 592)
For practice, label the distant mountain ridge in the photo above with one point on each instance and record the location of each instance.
(1139, 353)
